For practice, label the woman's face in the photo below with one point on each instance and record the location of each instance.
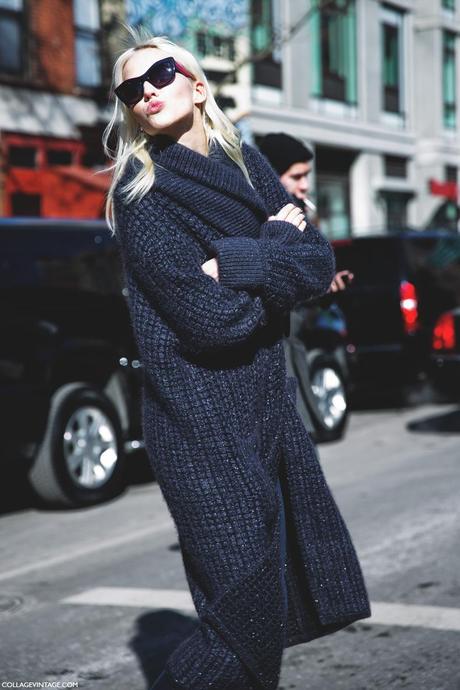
(166, 110)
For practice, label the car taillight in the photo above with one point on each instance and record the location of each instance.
(409, 306)
(444, 333)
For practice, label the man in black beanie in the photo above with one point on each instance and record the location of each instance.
(293, 162)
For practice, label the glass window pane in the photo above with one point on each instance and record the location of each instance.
(11, 4)
(86, 14)
(335, 41)
(449, 81)
(395, 166)
(22, 156)
(10, 45)
(391, 68)
(58, 157)
(88, 61)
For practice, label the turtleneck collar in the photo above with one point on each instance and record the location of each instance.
(216, 171)
(163, 149)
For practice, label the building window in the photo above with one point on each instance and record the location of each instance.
(11, 36)
(264, 21)
(26, 204)
(449, 96)
(87, 43)
(395, 210)
(333, 43)
(451, 173)
(59, 157)
(395, 166)
(448, 5)
(392, 59)
(22, 156)
(216, 45)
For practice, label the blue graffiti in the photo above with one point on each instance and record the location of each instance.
(173, 17)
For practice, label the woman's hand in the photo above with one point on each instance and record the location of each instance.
(211, 268)
(292, 214)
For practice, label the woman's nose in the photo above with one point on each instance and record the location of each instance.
(149, 89)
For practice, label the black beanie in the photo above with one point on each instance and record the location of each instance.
(283, 151)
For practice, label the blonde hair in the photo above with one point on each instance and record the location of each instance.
(132, 141)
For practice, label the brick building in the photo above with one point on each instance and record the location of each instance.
(55, 62)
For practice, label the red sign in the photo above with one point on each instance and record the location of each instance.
(449, 190)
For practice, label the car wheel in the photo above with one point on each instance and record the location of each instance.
(329, 400)
(80, 461)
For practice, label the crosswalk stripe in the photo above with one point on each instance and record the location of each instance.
(134, 596)
(415, 615)
(383, 613)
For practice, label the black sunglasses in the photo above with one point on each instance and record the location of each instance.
(160, 74)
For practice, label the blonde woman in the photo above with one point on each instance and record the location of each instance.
(215, 256)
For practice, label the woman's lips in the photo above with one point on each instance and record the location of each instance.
(154, 107)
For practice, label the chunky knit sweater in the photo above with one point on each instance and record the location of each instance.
(219, 412)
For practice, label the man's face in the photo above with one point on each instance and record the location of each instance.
(295, 179)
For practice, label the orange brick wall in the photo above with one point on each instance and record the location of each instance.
(52, 42)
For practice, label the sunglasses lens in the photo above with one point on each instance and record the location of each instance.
(129, 92)
(161, 74)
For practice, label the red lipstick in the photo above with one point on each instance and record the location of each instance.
(154, 107)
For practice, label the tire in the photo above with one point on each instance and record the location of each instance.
(82, 429)
(328, 403)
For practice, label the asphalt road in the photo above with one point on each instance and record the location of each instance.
(98, 597)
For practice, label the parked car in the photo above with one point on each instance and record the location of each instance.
(69, 372)
(316, 354)
(402, 284)
(445, 355)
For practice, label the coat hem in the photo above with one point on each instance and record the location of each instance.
(327, 629)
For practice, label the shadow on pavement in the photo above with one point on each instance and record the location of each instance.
(157, 636)
(447, 423)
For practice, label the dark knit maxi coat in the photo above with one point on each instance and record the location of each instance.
(221, 427)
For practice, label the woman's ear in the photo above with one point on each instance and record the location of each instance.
(199, 92)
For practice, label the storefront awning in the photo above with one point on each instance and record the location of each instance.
(47, 114)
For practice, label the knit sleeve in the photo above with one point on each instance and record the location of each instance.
(203, 313)
(285, 264)
(283, 273)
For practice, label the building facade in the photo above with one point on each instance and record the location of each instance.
(373, 88)
(55, 63)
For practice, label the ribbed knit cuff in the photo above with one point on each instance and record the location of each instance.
(281, 231)
(240, 262)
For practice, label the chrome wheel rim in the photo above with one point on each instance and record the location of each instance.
(330, 396)
(90, 447)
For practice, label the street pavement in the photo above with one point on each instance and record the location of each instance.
(98, 597)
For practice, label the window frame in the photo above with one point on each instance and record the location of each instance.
(19, 15)
(448, 5)
(81, 31)
(268, 71)
(391, 16)
(340, 89)
(449, 109)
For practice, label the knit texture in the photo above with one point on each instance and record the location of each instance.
(219, 417)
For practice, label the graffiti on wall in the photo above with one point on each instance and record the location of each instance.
(173, 18)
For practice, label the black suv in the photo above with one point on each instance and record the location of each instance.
(69, 373)
(402, 284)
(70, 377)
